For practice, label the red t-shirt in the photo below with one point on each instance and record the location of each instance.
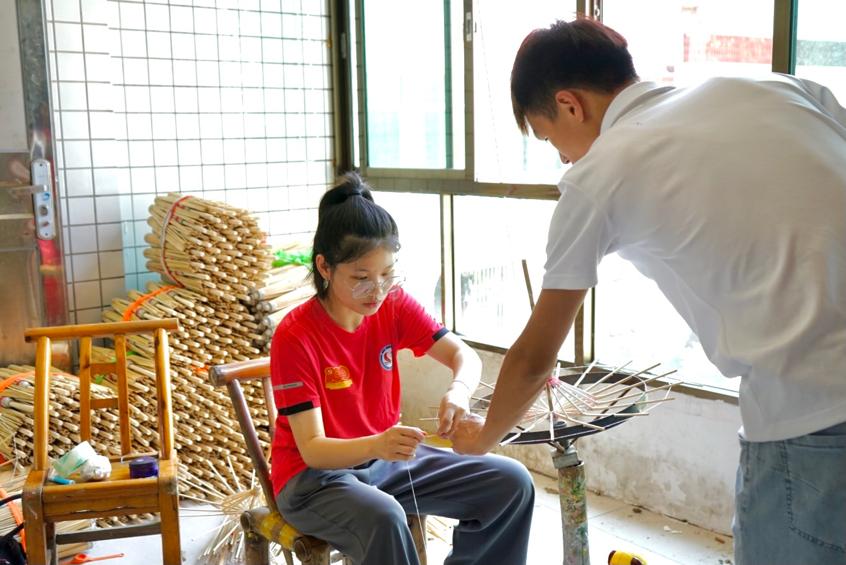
(351, 376)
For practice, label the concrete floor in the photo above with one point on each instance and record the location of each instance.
(612, 525)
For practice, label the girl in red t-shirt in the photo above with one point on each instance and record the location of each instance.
(336, 382)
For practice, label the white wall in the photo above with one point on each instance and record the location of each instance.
(679, 461)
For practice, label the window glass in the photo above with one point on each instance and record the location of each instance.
(821, 44)
(634, 322)
(492, 237)
(686, 41)
(418, 218)
(502, 153)
(413, 58)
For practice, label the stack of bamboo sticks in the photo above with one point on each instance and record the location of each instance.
(210, 247)
(17, 424)
(216, 258)
(284, 289)
(211, 332)
(228, 305)
(206, 433)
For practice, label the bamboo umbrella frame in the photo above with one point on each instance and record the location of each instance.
(564, 410)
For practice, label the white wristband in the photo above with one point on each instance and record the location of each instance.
(465, 385)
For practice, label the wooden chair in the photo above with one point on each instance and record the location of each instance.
(45, 504)
(262, 525)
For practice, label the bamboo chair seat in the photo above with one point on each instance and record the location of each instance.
(266, 524)
(45, 504)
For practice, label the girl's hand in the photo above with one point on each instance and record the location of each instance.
(454, 405)
(397, 443)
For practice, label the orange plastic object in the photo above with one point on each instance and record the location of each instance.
(84, 558)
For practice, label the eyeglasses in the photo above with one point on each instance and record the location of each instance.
(368, 287)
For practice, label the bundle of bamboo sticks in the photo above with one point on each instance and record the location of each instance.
(211, 332)
(17, 423)
(284, 289)
(218, 255)
(210, 247)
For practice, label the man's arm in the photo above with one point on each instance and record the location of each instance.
(525, 369)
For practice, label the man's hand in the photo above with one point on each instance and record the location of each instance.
(465, 438)
(454, 405)
(397, 443)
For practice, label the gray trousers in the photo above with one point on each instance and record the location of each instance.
(361, 511)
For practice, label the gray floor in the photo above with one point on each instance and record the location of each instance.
(612, 525)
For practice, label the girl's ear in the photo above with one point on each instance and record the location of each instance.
(322, 267)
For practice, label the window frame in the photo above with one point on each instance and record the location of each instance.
(351, 117)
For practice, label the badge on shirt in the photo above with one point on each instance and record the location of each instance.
(335, 378)
(386, 357)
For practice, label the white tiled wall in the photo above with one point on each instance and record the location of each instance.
(225, 99)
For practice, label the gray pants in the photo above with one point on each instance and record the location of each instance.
(361, 511)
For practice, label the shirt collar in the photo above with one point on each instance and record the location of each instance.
(629, 98)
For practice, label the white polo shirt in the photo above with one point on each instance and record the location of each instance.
(731, 196)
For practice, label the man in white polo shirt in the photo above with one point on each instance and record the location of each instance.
(731, 196)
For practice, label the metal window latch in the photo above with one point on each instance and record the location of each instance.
(42, 200)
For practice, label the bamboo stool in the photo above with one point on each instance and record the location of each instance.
(262, 525)
(45, 504)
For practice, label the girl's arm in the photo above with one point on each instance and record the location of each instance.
(320, 452)
(466, 369)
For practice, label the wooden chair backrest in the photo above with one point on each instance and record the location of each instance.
(85, 333)
(231, 376)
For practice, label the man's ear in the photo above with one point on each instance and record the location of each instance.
(322, 266)
(569, 102)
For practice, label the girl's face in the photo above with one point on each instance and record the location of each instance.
(361, 286)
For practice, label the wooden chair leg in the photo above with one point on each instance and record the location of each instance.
(418, 533)
(52, 548)
(312, 552)
(169, 516)
(36, 529)
(36, 544)
(257, 550)
(322, 557)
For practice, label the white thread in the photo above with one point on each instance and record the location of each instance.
(414, 497)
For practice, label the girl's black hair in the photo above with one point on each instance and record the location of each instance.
(349, 225)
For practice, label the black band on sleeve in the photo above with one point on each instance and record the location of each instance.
(439, 334)
(297, 408)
